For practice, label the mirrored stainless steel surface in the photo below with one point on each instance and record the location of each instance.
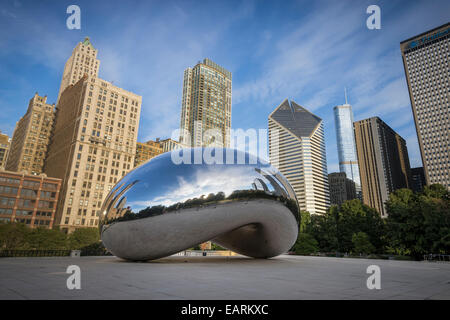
(224, 195)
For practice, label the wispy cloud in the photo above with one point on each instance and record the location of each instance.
(304, 50)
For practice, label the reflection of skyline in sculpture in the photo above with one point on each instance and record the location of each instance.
(190, 195)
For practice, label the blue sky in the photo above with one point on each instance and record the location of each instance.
(307, 51)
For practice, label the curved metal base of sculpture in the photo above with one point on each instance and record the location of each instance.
(245, 207)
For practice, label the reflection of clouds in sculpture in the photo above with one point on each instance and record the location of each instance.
(217, 202)
(206, 182)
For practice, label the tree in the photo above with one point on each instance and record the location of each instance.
(353, 217)
(305, 244)
(334, 230)
(323, 229)
(419, 223)
(13, 236)
(305, 219)
(361, 243)
(46, 239)
(83, 237)
(215, 246)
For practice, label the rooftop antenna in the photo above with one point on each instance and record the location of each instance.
(345, 91)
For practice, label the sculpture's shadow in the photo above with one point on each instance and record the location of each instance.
(201, 260)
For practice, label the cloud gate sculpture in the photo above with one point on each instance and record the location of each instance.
(182, 198)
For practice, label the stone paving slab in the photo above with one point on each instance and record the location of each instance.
(228, 278)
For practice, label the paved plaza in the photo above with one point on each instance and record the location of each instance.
(236, 277)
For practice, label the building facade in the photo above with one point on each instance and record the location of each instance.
(206, 106)
(418, 181)
(28, 199)
(383, 161)
(93, 145)
(31, 137)
(147, 150)
(345, 138)
(426, 64)
(297, 150)
(341, 188)
(4, 149)
(169, 145)
(82, 61)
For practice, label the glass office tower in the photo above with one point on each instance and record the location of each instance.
(345, 136)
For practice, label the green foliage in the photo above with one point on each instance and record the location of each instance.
(17, 236)
(323, 229)
(46, 239)
(305, 219)
(354, 217)
(334, 230)
(94, 249)
(13, 236)
(215, 246)
(305, 244)
(419, 223)
(361, 244)
(83, 237)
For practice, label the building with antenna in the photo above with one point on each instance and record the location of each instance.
(345, 139)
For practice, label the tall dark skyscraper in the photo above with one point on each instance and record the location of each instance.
(425, 58)
(418, 181)
(341, 188)
(383, 161)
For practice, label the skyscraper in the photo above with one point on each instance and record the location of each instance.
(82, 61)
(383, 161)
(31, 137)
(341, 188)
(345, 136)
(418, 181)
(92, 147)
(4, 149)
(206, 106)
(426, 64)
(297, 149)
(93, 141)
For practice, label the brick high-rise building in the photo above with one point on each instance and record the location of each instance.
(82, 61)
(426, 64)
(4, 149)
(147, 150)
(28, 199)
(297, 150)
(206, 106)
(93, 145)
(383, 161)
(31, 137)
